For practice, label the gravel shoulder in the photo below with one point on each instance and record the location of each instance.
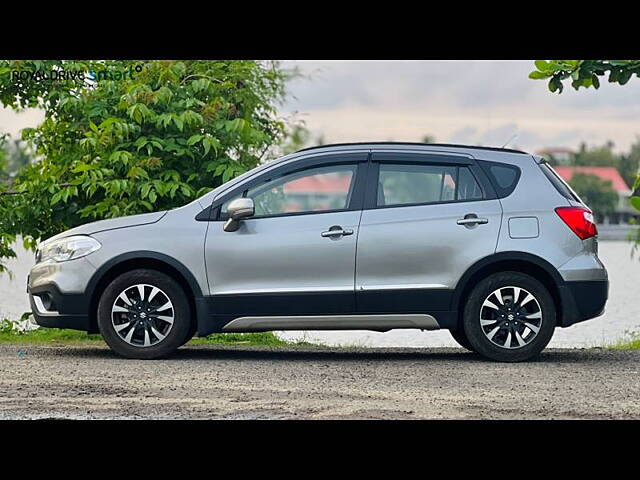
(237, 382)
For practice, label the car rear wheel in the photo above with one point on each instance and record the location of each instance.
(144, 314)
(509, 317)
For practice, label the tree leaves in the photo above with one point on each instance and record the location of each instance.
(584, 73)
(154, 142)
(140, 113)
(63, 195)
(542, 66)
(193, 139)
(536, 75)
(208, 143)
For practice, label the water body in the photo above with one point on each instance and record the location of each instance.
(622, 313)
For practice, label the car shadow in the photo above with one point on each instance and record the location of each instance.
(313, 354)
(319, 354)
(376, 354)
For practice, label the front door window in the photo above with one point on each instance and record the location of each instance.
(315, 190)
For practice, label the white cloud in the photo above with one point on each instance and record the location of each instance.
(459, 101)
(475, 102)
(12, 122)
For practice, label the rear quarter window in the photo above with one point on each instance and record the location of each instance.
(503, 177)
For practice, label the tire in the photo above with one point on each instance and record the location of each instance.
(460, 337)
(515, 330)
(191, 333)
(148, 326)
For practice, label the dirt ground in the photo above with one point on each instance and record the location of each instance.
(220, 382)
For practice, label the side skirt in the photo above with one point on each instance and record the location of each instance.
(332, 322)
(324, 311)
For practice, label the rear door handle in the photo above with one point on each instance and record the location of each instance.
(337, 231)
(468, 220)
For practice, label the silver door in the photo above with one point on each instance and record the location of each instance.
(303, 253)
(422, 234)
(302, 239)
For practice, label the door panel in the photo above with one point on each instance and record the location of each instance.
(423, 246)
(283, 254)
(410, 257)
(296, 256)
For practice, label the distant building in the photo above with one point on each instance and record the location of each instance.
(624, 211)
(557, 155)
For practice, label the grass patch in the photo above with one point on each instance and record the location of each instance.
(58, 336)
(49, 335)
(633, 344)
(261, 338)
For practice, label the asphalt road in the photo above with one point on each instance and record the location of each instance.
(215, 382)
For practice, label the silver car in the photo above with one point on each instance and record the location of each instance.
(488, 243)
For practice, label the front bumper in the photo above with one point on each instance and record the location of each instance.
(54, 309)
(582, 300)
(57, 293)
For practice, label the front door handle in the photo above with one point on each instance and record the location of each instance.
(337, 231)
(472, 219)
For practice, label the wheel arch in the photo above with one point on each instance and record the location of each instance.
(131, 261)
(527, 263)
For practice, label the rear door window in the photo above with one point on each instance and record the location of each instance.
(411, 184)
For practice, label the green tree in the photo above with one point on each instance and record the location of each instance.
(14, 155)
(584, 73)
(298, 138)
(597, 193)
(132, 137)
(629, 164)
(4, 160)
(6, 239)
(587, 73)
(599, 156)
(604, 156)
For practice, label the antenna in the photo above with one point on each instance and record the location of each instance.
(510, 140)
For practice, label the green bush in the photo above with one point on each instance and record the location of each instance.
(137, 137)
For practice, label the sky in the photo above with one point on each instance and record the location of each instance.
(471, 102)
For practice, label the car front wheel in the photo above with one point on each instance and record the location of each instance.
(144, 314)
(509, 317)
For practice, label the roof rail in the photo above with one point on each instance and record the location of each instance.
(498, 149)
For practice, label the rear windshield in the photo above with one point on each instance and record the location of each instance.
(558, 182)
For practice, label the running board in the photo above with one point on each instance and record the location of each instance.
(332, 322)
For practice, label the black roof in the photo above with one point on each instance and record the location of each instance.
(497, 149)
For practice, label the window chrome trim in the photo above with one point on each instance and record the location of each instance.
(464, 157)
(409, 286)
(286, 290)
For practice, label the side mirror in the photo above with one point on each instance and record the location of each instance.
(238, 209)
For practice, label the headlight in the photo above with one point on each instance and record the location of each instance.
(67, 248)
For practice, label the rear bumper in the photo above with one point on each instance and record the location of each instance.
(582, 300)
(54, 309)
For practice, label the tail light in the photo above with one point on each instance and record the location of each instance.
(579, 220)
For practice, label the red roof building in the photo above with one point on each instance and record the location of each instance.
(605, 173)
(326, 183)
